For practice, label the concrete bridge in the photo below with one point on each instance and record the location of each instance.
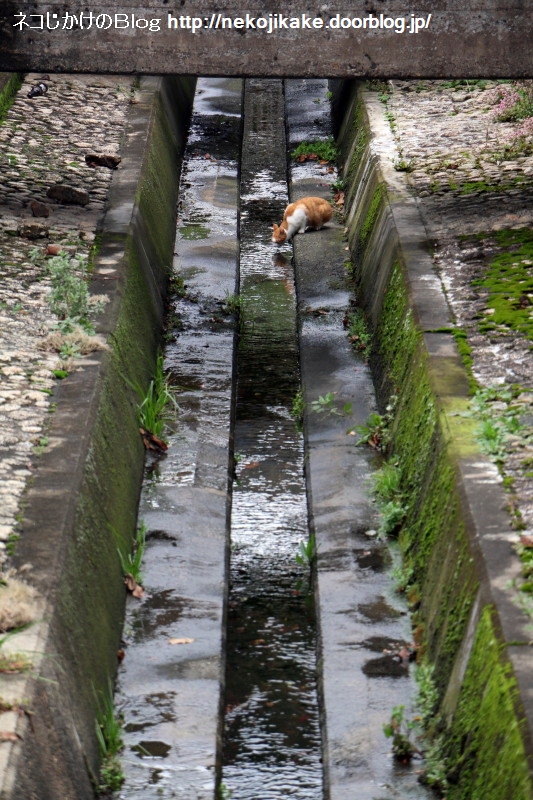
(296, 38)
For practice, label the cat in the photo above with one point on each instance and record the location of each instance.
(309, 212)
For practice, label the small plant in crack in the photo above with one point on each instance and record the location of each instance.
(399, 729)
(237, 304)
(358, 334)
(325, 404)
(371, 432)
(109, 736)
(307, 552)
(297, 410)
(157, 404)
(131, 562)
(316, 150)
(386, 489)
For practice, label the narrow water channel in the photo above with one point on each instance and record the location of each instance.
(271, 738)
(220, 689)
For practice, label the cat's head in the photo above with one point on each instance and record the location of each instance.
(279, 234)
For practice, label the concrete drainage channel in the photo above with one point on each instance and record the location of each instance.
(172, 684)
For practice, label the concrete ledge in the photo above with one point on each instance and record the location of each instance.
(469, 567)
(88, 480)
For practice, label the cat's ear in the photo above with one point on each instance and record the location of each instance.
(275, 227)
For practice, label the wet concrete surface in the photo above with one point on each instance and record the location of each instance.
(280, 740)
(357, 608)
(171, 679)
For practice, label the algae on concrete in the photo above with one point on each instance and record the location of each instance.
(456, 626)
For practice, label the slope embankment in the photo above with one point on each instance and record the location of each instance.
(461, 571)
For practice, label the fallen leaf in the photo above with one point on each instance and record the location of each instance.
(182, 640)
(9, 736)
(120, 656)
(251, 465)
(152, 442)
(526, 540)
(132, 586)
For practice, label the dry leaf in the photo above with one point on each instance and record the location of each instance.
(132, 586)
(152, 442)
(183, 640)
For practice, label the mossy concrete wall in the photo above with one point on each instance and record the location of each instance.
(86, 488)
(459, 564)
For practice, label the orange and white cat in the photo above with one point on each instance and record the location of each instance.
(309, 212)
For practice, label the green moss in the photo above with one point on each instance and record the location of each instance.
(369, 222)
(194, 231)
(8, 94)
(465, 353)
(509, 282)
(396, 334)
(433, 539)
(484, 750)
(358, 140)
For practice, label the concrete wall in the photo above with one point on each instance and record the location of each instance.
(86, 490)
(458, 563)
(455, 38)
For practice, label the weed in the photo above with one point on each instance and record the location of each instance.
(69, 297)
(60, 373)
(499, 419)
(326, 404)
(401, 165)
(321, 149)
(370, 432)
(307, 553)
(131, 562)
(41, 445)
(392, 515)
(109, 736)
(434, 773)
(224, 792)
(12, 540)
(358, 333)
(386, 482)
(428, 695)
(177, 286)
(297, 410)
(399, 729)
(156, 403)
(233, 303)
(380, 86)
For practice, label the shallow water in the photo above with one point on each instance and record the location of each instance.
(272, 737)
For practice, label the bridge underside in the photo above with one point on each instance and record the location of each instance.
(449, 38)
